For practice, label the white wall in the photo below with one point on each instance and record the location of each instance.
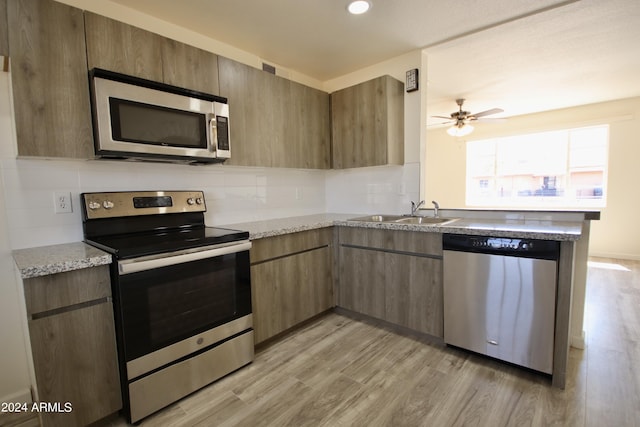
(14, 370)
(616, 234)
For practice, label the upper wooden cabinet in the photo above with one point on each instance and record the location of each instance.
(49, 78)
(116, 46)
(368, 124)
(274, 122)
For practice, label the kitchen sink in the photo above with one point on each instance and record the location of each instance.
(403, 219)
(427, 220)
(378, 218)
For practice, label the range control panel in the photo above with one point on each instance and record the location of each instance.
(125, 203)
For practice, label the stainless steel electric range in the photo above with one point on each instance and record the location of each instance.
(181, 293)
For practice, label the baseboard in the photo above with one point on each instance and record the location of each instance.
(578, 342)
(22, 396)
(613, 255)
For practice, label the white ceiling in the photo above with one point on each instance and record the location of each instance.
(519, 55)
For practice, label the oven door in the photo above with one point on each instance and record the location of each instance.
(162, 300)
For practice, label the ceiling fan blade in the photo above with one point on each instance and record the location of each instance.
(442, 117)
(441, 123)
(485, 113)
(492, 119)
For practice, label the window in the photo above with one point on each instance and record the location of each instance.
(564, 169)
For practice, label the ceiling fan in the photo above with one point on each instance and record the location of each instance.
(461, 119)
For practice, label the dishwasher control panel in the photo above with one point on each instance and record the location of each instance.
(529, 248)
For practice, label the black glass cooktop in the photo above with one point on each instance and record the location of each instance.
(134, 245)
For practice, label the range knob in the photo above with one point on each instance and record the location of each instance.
(108, 204)
(199, 201)
(191, 201)
(93, 205)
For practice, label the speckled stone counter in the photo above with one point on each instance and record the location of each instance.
(45, 260)
(520, 228)
(280, 226)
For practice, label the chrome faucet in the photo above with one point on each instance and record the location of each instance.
(414, 207)
(436, 206)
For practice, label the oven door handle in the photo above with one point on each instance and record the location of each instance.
(135, 266)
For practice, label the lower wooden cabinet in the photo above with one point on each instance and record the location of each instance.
(291, 280)
(72, 334)
(395, 276)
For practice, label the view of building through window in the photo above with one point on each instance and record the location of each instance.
(565, 168)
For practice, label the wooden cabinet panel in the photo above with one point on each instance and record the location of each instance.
(73, 343)
(75, 360)
(413, 293)
(64, 289)
(116, 46)
(362, 278)
(49, 78)
(307, 129)
(289, 290)
(291, 280)
(288, 244)
(251, 99)
(4, 32)
(392, 275)
(398, 240)
(367, 122)
(274, 122)
(189, 67)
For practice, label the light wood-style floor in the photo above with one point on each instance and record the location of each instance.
(341, 372)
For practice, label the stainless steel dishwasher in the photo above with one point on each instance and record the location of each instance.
(500, 297)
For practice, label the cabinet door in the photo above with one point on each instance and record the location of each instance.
(254, 131)
(289, 290)
(75, 361)
(362, 278)
(308, 128)
(49, 78)
(189, 67)
(368, 124)
(274, 122)
(116, 46)
(413, 292)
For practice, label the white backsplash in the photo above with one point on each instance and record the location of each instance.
(381, 189)
(232, 194)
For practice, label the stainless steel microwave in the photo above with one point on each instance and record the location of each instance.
(135, 118)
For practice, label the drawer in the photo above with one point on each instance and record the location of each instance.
(60, 290)
(288, 244)
(393, 240)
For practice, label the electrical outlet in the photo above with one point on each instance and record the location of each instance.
(62, 202)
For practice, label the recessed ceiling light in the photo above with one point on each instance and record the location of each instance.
(358, 7)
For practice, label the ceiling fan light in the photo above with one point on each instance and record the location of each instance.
(358, 7)
(460, 130)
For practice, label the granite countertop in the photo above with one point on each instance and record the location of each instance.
(45, 260)
(42, 261)
(521, 228)
(280, 226)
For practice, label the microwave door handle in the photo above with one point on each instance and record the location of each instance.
(212, 131)
(135, 266)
